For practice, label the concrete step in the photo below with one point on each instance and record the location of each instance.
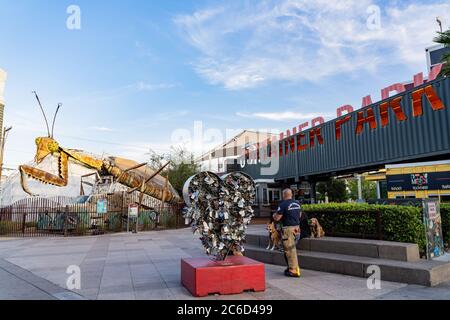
(423, 272)
(348, 246)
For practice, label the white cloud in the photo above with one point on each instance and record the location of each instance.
(123, 91)
(282, 116)
(140, 151)
(101, 129)
(143, 86)
(247, 44)
(165, 116)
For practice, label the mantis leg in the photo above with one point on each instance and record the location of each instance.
(23, 182)
(45, 177)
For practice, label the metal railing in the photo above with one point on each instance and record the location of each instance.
(64, 216)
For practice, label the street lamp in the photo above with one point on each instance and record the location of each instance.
(439, 21)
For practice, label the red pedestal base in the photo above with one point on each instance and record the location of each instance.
(203, 276)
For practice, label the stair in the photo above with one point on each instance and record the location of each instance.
(354, 247)
(398, 262)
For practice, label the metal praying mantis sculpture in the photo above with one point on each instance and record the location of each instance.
(137, 181)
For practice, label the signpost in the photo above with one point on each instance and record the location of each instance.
(133, 212)
(102, 209)
(102, 206)
(433, 228)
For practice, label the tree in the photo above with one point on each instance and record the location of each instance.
(156, 161)
(335, 189)
(444, 38)
(181, 167)
(369, 189)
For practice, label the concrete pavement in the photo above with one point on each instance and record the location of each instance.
(147, 266)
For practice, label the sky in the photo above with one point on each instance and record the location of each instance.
(144, 75)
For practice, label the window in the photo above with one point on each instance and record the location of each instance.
(445, 199)
(274, 195)
(265, 196)
(436, 56)
(258, 195)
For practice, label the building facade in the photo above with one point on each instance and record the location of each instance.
(228, 157)
(409, 127)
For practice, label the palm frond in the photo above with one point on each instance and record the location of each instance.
(446, 57)
(443, 38)
(445, 72)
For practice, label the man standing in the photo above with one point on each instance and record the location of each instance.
(289, 214)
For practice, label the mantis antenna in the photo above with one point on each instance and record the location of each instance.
(42, 109)
(54, 117)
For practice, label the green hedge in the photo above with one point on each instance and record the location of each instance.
(400, 223)
(445, 213)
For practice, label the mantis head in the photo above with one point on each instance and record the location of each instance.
(45, 146)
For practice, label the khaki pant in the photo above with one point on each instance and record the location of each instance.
(290, 246)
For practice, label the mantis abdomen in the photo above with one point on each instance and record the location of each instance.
(132, 180)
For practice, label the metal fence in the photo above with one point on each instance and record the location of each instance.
(65, 216)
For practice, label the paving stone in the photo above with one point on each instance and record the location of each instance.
(158, 294)
(147, 266)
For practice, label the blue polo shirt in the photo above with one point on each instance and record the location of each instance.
(290, 210)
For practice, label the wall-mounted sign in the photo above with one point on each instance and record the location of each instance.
(419, 181)
(433, 228)
(133, 210)
(102, 206)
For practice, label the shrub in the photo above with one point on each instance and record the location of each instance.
(168, 219)
(32, 224)
(9, 227)
(147, 220)
(400, 223)
(115, 222)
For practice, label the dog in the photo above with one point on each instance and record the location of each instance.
(274, 236)
(316, 229)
